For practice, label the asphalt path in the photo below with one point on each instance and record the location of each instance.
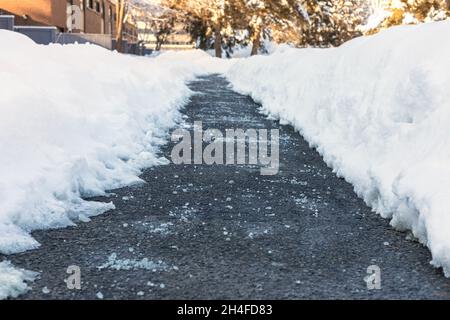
(228, 232)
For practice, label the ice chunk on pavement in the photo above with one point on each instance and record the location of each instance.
(13, 281)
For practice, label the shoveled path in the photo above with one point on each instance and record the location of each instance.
(227, 232)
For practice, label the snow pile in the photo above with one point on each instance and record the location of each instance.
(77, 120)
(378, 110)
(13, 281)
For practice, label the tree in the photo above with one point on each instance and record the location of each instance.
(121, 18)
(270, 14)
(387, 13)
(209, 13)
(162, 28)
(199, 31)
(319, 23)
(332, 22)
(298, 22)
(152, 20)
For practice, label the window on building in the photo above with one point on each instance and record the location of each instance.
(98, 7)
(91, 4)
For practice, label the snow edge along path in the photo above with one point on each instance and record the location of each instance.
(378, 111)
(76, 121)
(13, 281)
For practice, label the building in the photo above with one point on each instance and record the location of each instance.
(91, 17)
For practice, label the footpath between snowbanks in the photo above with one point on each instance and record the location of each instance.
(378, 110)
(78, 120)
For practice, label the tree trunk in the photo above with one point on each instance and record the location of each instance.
(202, 43)
(218, 41)
(256, 41)
(120, 13)
(204, 36)
(158, 44)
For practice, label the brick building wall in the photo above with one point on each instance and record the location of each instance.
(97, 15)
(28, 12)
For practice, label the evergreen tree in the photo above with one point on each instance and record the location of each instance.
(387, 13)
(333, 22)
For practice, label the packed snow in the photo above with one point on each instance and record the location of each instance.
(13, 281)
(378, 110)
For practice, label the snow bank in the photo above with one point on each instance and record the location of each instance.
(77, 120)
(378, 110)
(13, 282)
